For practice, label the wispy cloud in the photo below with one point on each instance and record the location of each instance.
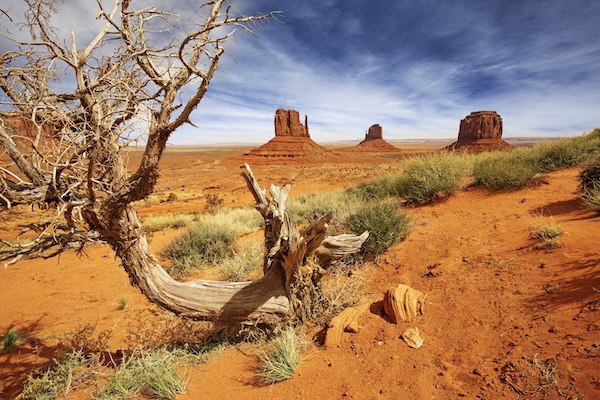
(416, 68)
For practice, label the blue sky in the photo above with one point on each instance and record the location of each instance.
(415, 67)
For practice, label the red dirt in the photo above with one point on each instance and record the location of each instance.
(499, 311)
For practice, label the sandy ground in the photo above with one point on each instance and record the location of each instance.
(504, 319)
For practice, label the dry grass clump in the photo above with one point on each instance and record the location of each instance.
(70, 372)
(546, 231)
(151, 373)
(168, 221)
(589, 183)
(244, 261)
(504, 170)
(279, 362)
(342, 287)
(433, 176)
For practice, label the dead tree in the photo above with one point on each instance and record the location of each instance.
(69, 113)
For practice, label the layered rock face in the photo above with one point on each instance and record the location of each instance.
(480, 131)
(374, 132)
(292, 139)
(374, 141)
(287, 123)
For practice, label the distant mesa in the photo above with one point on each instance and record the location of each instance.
(374, 141)
(292, 139)
(480, 131)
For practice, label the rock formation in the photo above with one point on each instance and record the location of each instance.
(287, 123)
(480, 131)
(374, 132)
(292, 139)
(374, 141)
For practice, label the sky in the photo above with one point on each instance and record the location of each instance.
(416, 67)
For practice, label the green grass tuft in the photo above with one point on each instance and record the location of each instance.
(10, 340)
(280, 361)
(386, 225)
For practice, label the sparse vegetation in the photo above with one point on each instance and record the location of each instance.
(546, 231)
(123, 303)
(505, 170)
(10, 340)
(167, 221)
(386, 225)
(209, 241)
(237, 268)
(199, 247)
(589, 183)
(432, 176)
(152, 373)
(58, 381)
(339, 204)
(341, 289)
(279, 362)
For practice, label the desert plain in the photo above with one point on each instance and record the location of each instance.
(504, 318)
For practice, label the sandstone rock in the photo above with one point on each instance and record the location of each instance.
(374, 141)
(412, 338)
(374, 132)
(480, 131)
(287, 123)
(291, 140)
(403, 303)
(346, 321)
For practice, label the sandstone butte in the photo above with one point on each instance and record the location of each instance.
(292, 139)
(480, 131)
(374, 141)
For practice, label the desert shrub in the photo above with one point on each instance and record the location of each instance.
(592, 198)
(506, 170)
(151, 373)
(589, 183)
(589, 176)
(564, 153)
(385, 223)
(200, 246)
(309, 207)
(238, 267)
(57, 381)
(428, 177)
(279, 362)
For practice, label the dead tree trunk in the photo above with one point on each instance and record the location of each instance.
(294, 262)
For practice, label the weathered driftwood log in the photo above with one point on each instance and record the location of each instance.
(403, 303)
(303, 255)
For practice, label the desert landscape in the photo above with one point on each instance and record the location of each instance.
(503, 318)
(141, 260)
